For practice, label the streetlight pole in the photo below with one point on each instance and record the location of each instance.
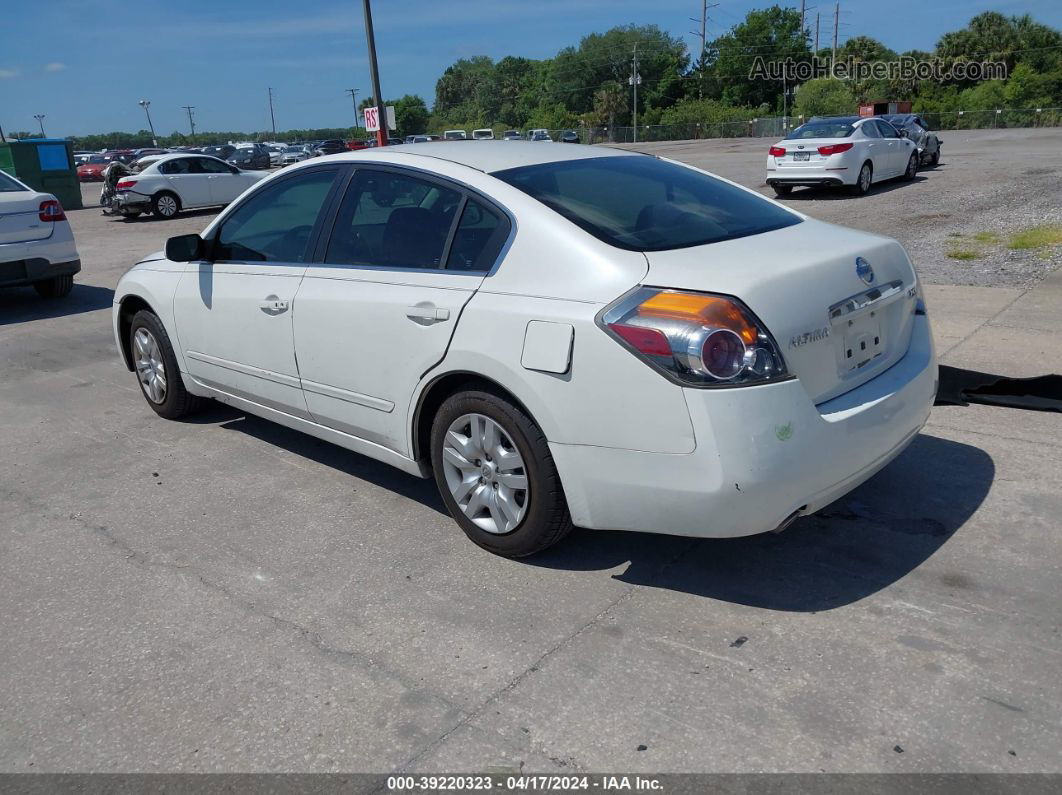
(374, 73)
(40, 120)
(191, 121)
(145, 104)
(635, 80)
(354, 98)
(272, 118)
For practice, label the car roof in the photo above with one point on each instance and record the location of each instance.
(491, 156)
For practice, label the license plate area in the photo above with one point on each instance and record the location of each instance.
(801, 156)
(861, 342)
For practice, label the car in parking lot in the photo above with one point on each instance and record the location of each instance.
(181, 182)
(928, 143)
(91, 170)
(557, 335)
(221, 151)
(512, 135)
(569, 137)
(840, 151)
(330, 147)
(293, 154)
(254, 157)
(454, 135)
(485, 134)
(541, 135)
(36, 242)
(424, 138)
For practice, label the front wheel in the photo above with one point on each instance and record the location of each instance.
(55, 287)
(165, 205)
(496, 475)
(935, 157)
(863, 181)
(782, 190)
(156, 368)
(912, 167)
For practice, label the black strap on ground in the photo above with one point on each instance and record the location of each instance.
(960, 387)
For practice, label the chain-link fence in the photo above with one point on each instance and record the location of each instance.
(778, 126)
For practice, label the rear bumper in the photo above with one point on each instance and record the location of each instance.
(129, 202)
(808, 180)
(36, 269)
(763, 453)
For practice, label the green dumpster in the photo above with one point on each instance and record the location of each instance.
(45, 164)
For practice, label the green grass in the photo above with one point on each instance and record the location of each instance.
(1037, 237)
(963, 253)
(986, 237)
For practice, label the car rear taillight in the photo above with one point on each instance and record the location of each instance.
(51, 210)
(125, 184)
(776, 151)
(697, 339)
(834, 149)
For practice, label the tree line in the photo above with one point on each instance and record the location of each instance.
(589, 84)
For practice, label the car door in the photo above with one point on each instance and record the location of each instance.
(233, 312)
(379, 305)
(876, 149)
(181, 177)
(224, 182)
(898, 153)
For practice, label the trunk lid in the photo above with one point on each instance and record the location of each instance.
(20, 217)
(804, 152)
(834, 329)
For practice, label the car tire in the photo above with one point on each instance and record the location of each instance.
(782, 190)
(912, 167)
(165, 204)
(934, 159)
(152, 354)
(476, 490)
(55, 287)
(864, 180)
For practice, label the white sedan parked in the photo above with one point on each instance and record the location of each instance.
(840, 150)
(555, 334)
(36, 243)
(181, 182)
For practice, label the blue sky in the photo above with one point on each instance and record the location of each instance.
(85, 63)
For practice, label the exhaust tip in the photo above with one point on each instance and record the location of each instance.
(790, 519)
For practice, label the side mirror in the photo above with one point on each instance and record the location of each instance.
(903, 132)
(185, 248)
(234, 170)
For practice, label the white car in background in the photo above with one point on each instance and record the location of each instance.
(276, 154)
(293, 154)
(181, 182)
(36, 242)
(483, 135)
(557, 334)
(840, 151)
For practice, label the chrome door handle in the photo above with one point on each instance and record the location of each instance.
(426, 313)
(272, 305)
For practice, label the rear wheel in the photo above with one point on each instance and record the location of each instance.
(55, 287)
(165, 205)
(156, 368)
(782, 190)
(864, 180)
(496, 475)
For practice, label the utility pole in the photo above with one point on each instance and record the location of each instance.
(40, 120)
(836, 20)
(635, 79)
(802, 10)
(272, 118)
(816, 33)
(354, 99)
(145, 104)
(191, 121)
(703, 36)
(374, 73)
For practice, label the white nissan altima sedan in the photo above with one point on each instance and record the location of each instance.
(841, 151)
(557, 335)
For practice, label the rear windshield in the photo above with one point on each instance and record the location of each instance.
(646, 204)
(830, 128)
(8, 185)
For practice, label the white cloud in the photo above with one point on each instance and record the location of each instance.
(6, 74)
(55, 66)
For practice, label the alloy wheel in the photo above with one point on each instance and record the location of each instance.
(150, 367)
(167, 206)
(485, 473)
(864, 179)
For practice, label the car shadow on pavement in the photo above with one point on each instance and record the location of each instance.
(20, 304)
(835, 194)
(322, 452)
(150, 218)
(855, 547)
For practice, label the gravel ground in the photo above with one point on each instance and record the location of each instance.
(999, 181)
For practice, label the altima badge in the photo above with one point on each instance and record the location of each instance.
(814, 335)
(864, 271)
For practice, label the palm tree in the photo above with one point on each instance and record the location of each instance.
(609, 100)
